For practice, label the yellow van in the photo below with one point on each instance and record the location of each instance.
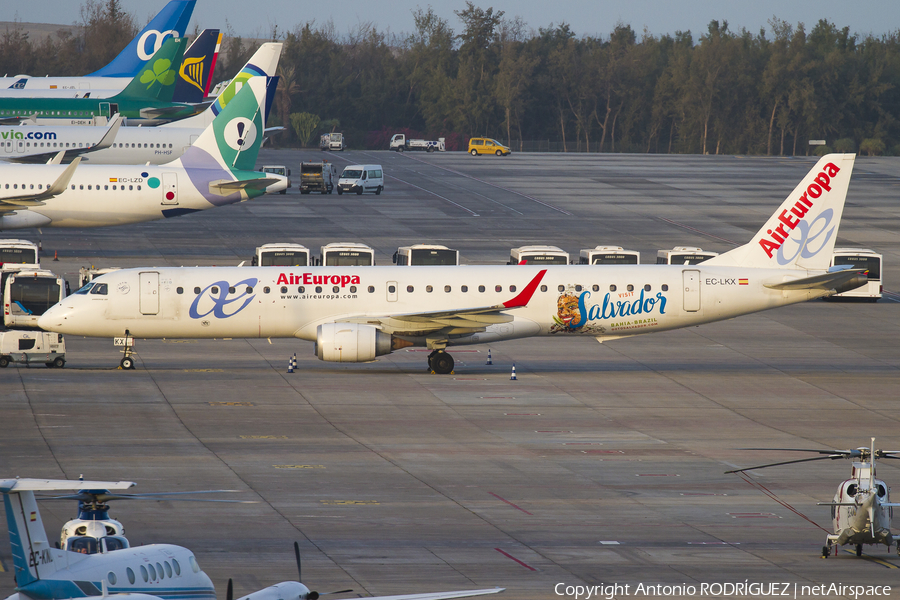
(487, 146)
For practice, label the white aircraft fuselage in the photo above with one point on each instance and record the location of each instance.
(288, 302)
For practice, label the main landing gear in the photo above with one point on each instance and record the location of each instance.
(440, 362)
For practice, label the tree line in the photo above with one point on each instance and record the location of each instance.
(730, 92)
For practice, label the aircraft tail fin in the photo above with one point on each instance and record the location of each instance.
(19, 84)
(263, 62)
(171, 21)
(802, 232)
(195, 72)
(156, 81)
(235, 136)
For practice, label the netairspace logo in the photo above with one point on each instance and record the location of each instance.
(741, 589)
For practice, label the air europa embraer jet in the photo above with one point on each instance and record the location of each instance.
(355, 315)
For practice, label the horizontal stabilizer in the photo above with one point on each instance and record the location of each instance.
(828, 281)
(49, 485)
(227, 186)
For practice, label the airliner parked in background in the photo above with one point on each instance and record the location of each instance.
(134, 145)
(147, 572)
(355, 315)
(191, 86)
(171, 21)
(216, 170)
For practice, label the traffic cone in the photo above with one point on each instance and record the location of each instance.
(513, 376)
(56, 256)
(489, 362)
(294, 361)
(290, 365)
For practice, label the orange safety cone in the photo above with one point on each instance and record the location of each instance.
(56, 256)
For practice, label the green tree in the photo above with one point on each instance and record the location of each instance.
(305, 125)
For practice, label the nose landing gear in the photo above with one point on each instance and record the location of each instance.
(127, 362)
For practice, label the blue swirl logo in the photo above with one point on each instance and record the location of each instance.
(219, 297)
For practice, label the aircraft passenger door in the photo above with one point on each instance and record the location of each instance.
(170, 188)
(104, 109)
(391, 291)
(691, 290)
(149, 293)
(193, 139)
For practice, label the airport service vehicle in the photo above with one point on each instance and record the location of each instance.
(347, 254)
(86, 275)
(861, 509)
(147, 99)
(27, 294)
(279, 170)
(32, 347)
(400, 143)
(683, 255)
(215, 171)
(171, 21)
(866, 259)
(281, 255)
(538, 255)
(317, 177)
(361, 178)
(355, 314)
(332, 141)
(426, 255)
(16, 255)
(479, 146)
(95, 558)
(608, 255)
(191, 85)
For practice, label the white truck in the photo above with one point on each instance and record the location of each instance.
(332, 141)
(399, 143)
(32, 347)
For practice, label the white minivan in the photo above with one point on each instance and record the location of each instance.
(361, 178)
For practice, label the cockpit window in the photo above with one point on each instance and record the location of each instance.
(83, 545)
(100, 288)
(114, 543)
(85, 288)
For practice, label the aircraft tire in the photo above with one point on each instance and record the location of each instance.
(442, 363)
(127, 363)
(826, 551)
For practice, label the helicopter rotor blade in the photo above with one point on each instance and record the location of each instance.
(855, 452)
(297, 555)
(229, 591)
(787, 462)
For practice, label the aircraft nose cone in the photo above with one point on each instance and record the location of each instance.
(53, 319)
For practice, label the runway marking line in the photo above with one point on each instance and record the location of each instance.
(656, 475)
(231, 404)
(521, 414)
(510, 503)
(263, 437)
(753, 515)
(880, 561)
(511, 557)
(350, 502)
(203, 370)
(299, 466)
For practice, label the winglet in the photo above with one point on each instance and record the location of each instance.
(525, 295)
(110, 136)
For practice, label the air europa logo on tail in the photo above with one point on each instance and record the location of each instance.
(310, 279)
(789, 220)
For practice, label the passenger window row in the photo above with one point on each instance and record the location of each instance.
(105, 187)
(149, 572)
(410, 289)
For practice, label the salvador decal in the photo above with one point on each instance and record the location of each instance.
(218, 295)
(576, 313)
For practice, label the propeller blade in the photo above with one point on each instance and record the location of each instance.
(337, 592)
(229, 591)
(297, 554)
(787, 462)
(183, 493)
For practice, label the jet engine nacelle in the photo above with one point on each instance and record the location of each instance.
(287, 590)
(351, 342)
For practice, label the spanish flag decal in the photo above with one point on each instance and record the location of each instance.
(34, 516)
(743, 282)
(113, 180)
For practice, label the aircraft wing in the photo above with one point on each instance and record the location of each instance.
(827, 281)
(16, 202)
(439, 595)
(464, 320)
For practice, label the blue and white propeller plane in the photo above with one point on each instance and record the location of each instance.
(96, 559)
